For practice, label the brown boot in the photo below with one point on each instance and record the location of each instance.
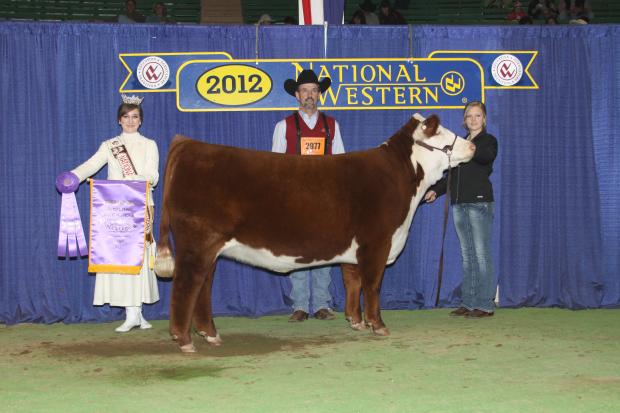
(298, 316)
(461, 311)
(478, 314)
(324, 314)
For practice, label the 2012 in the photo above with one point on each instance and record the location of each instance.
(233, 84)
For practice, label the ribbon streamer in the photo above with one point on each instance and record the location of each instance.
(70, 230)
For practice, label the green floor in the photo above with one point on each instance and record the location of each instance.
(525, 360)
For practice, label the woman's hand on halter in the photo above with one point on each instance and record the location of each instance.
(430, 196)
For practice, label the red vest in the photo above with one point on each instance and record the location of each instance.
(292, 138)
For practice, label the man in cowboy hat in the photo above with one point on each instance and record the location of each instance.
(308, 132)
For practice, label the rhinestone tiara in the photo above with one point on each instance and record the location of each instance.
(132, 100)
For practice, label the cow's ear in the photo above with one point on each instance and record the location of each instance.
(430, 125)
(418, 117)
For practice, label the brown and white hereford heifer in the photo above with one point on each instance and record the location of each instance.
(284, 212)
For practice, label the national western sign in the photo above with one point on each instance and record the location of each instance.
(217, 82)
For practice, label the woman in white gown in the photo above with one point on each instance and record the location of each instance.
(122, 290)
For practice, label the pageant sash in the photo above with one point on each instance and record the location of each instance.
(117, 226)
(122, 156)
(70, 230)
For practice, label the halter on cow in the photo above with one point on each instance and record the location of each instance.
(248, 207)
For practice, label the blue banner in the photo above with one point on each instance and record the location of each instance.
(213, 81)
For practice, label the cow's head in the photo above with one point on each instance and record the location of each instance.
(442, 143)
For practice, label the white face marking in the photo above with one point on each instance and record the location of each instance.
(266, 259)
(437, 161)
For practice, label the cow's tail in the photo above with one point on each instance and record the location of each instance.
(164, 261)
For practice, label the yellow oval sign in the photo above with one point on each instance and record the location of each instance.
(234, 85)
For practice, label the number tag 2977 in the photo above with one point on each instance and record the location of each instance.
(312, 146)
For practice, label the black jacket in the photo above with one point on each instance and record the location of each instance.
(470, 181)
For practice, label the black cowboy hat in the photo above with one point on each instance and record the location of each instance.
(368, 6)
(306, 76)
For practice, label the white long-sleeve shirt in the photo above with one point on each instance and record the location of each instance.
(279, 134)
(144, 156)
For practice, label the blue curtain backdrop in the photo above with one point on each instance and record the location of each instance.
(556, 233)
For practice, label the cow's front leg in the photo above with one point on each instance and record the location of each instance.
(371, 267)
(203, 312)
(189, 277)
(353, 292)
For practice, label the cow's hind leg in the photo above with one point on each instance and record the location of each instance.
(203, 312)
(190, 275)
(371, 265)
(353, 290)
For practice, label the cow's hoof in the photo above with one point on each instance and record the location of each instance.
(188, 348)
(358, 326)
(383, 331)
(214, 341)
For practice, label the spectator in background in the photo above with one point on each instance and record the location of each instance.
(130, 14)
(541, 9)
(160, 14)
(264, 19)
(358, 18)
(526, 20)
(581, 10)
(564, 11)
(388, 15)
(551, 8)
(517, 13)
(536, 9)
(581, 20)
(289, 20)
(368, 8)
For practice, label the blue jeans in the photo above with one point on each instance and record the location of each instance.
(300, 293)
(474, 225)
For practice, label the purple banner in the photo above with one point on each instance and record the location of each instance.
(117, 226)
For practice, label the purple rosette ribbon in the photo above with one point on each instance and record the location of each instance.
(67, 182)
(70, 230)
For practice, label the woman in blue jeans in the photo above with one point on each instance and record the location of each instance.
(472, 209)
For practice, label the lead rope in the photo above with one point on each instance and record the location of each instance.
(443, 237)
